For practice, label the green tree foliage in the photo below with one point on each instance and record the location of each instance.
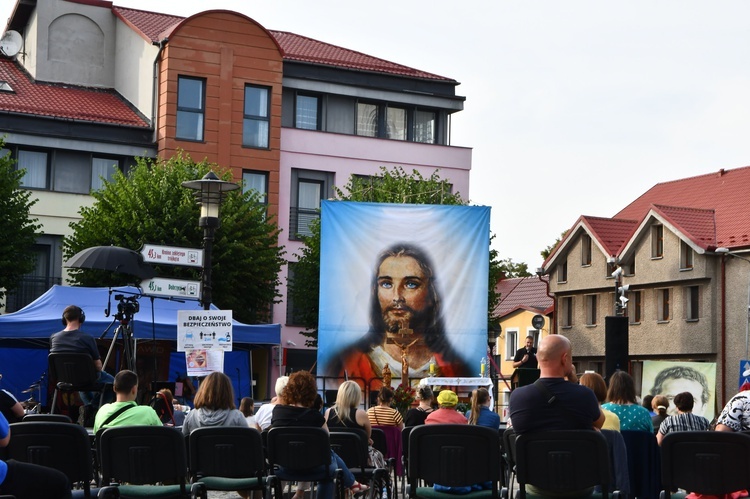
(390, 186)
(19, 231)
(149, 205)
(546, 252)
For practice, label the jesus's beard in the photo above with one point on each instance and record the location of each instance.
(410, 319)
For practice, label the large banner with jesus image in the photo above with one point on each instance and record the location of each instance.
(402, 286)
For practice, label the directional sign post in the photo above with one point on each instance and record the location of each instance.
(172, 255)
(179, 288)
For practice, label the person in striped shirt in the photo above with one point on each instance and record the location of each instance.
(684, 420)
(383, 414)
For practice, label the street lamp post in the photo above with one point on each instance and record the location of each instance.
(725, 251)
(208, 192)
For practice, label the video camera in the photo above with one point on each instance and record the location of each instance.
(127, 307)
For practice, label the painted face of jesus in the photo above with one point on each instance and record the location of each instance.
(403, 292)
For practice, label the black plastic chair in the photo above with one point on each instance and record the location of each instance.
(644, 463)
(453, 456)
(74, 372)
(134, 458)
(562, 461)
(351, 445)
(227, 458)
(57, 418)
(405, 456)
(705, 462)
(380, 442)
(63, 446)
(297, 453)
(509, 457)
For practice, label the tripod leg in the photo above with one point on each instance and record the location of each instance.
(111, 347)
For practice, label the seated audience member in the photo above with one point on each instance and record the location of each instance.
(177, 415)
(447, 413)
(345, 412)
(416, 415)
(383, 414)
(214, 405)
(11, 407)
(480, 412)
(660, 403)
(621, 397)
(263, 416)
(599, 387)
(574, 407)
(247, 408)
(736, 413)
(684, 420)
(647, 404)
(298, 410)
(125, 411)
(26, 480)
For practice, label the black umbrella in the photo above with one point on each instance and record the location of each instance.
(114, 258)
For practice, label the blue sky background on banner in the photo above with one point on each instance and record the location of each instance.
(352, 236)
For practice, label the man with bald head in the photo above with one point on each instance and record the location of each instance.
(564, 404)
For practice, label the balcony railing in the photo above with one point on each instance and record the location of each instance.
(29, 289)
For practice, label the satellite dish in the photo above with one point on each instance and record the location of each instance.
(10, 43)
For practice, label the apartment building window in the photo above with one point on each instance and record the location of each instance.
(46, 272)
(395, 118)
(308, 188)
(692, 303)
(257, 182)
(424, 126)
(256, 123)
(591, 310)
(102, 169)
(657, 241)
(562, 272)
(566, 316)
(191, 108)
(662, 305)
(585, 250)
(686, 256)
(367, 119)
(511, 343)
(36, 164)
(634, 309)
(307, 112)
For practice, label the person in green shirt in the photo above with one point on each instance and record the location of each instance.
(124, 411)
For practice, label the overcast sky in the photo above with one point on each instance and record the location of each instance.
(572, 107)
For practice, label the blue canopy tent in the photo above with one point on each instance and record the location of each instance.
(28, 330)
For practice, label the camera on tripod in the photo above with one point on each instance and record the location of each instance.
(127, 307)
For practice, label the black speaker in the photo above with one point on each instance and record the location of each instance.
(615, 345)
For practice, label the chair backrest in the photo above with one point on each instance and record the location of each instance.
(392, 444)
(644, 463)
(705, 462)
(63, 446)
(299, 448)
(351, 446)
(454, 456)
(379, 441)
(76, 369)
(226, 451)
(35, 418)
(562, 461)
(142, 455)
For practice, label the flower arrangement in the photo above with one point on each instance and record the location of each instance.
(403, 397)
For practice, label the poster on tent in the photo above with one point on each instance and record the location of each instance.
(402, 286)
(204, 329)
(201, 362)
(669, 378)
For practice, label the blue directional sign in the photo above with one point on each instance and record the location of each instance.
(744, 373)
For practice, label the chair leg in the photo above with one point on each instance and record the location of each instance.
(54, 402)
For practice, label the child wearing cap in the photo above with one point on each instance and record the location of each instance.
(447, 413)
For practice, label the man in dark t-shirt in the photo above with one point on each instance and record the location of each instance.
(10, 407)
(526, 357)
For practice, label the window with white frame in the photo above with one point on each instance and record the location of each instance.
(591, 310)
(662, 305)
(692, 303)
(256, 124)
(511, 343)
(257, 182)
(191, 108)
(534, 333)
(566, 312)
(585, 250)
(686, 256)
(657, 241)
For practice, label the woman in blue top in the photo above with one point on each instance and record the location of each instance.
(26, 480)
(621, 397)
(480, 412)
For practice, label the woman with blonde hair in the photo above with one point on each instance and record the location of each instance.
(480, 412)
(214, 405)
(346, 412)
